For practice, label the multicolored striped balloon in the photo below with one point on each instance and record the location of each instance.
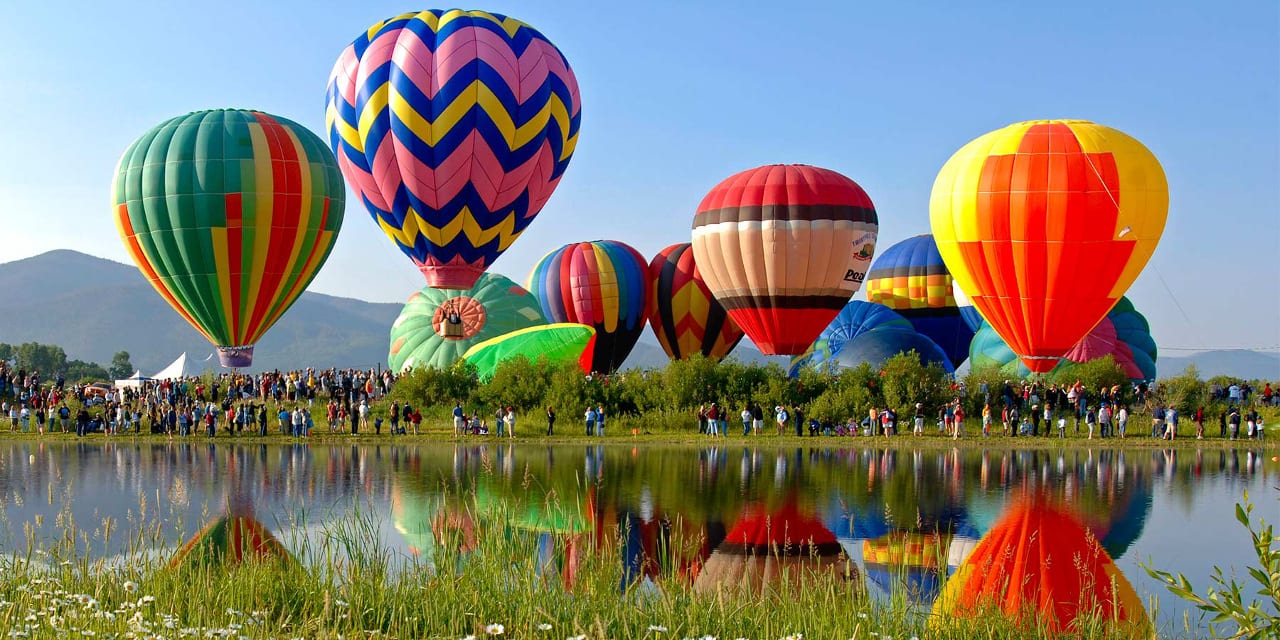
(783, 248)
(454, 127)
(911, 278)
(911, 275)
(682, 312)
(230, 215)
(437, 326)
(603, 284)
(1045, 224)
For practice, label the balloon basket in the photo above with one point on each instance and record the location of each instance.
(235, 357)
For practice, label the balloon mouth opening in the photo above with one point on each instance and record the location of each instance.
(235, 357)
(1040, 364)
(450, 276)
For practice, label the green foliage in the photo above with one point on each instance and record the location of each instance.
(427, 387)
(1228, 602)
(850, 395)
(1094, 374)
(1185, 392)
(973, 398)
(693, 382)
(120, 366)
(47, 359)
(516, 383)
(907, 381)
(81, 371)
(6, 351)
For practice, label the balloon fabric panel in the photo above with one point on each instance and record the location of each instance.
(454, 128)
(229, 214)
(682, 312)
(602, 284)
(783, 248)
(911, 275)
(561, 342)
(1045, 224)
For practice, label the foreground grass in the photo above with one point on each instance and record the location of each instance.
(482, 578)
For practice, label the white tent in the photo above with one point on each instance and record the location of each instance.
(134, 380)
(177, 369)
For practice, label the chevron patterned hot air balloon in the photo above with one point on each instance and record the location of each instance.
(454, 127)
(1044, 225)
(603, 284)
(682, 312)
(783, 248)
(229, 214)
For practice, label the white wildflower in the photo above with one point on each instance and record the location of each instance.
(495, 629)
(542, 626)
(130, 586)
(657, 628)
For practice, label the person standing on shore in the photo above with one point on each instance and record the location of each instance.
(781, 416)
(798, 410)
(590, 417)
(917, 427)
(551, 420)
(511, 422)
(1122, 420)
(746, 420)
(958, 417)
(757, 419)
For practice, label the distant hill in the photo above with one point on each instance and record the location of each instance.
(1250, 365)
(93, 308)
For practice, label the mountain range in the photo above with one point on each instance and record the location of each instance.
(92, 308)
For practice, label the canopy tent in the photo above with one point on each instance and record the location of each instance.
(133, 381)
(176, 369)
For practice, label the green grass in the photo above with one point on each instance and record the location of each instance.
(350, 585)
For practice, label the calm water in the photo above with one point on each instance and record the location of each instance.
(890, 510)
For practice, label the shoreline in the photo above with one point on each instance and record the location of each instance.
(668, 439)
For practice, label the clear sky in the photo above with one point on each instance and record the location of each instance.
(676, 96)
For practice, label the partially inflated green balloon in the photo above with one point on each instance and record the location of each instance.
(560, 342)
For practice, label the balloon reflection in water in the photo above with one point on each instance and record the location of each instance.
(1040, 565)
(778, 551)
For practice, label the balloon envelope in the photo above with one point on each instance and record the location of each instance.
(1044, 225)
(683, 314)
(454, 127)
(561, 342)
(437, 326)
(1124, 335)
(871, 333)
(602, 284)
(783, 248)
(230, 215)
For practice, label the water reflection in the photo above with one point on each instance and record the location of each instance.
(1042, 562)
(903, 519)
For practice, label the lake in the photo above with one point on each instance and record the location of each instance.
(908, 517)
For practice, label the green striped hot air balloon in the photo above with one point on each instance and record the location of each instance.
(437, 326)
(229, 214)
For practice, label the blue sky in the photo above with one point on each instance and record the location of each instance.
(677, 96)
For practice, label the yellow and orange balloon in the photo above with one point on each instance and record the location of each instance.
(1045, 225)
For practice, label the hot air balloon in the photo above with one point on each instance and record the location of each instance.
(1124, 335)
(229, 214)
(1040, 560)
(602, 284)
(560, 342)
(682, 313)
(454, 127)
(783, 248)
(910, 278)
(437, 326)
(1044, 225)
(867, 332)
